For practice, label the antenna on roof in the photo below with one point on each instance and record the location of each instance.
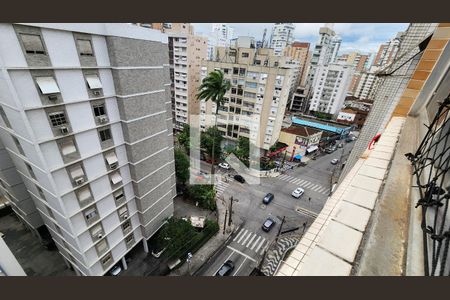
(263, 38)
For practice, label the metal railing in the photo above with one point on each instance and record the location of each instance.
(431, 165)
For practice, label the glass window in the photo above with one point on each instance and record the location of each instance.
(85, 47)
(241, 72)
(245, 54)
(235, 71)
(99, 110)
(105, 134)
(32, 43)
(57, 118)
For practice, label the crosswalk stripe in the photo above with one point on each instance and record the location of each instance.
(246, 230)
(260, 244)
(314, 187)
(239, 234)
(296, 181)
(256, 242)
(243, 243)
(302, 181)
(292, 180)
(263, 249)
(250, 241)
(282, 177)
(321, 190)
(307, 184)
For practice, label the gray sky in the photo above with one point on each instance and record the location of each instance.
(365, 37)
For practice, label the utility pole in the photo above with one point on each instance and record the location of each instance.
(281, 226)
(231, 211)
(225, 221)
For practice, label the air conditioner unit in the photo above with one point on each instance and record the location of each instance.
(103, 119)
(99, 236)
(52, 97)
(96, 93)
(113, 165)
(64, 130)
(79, 180)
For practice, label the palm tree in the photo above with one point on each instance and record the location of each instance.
(213, 88)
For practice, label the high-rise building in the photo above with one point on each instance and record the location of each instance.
(330, 87)
(261, 84)
(186, 52)
(282, 36)
(220, 36)
(357, 60)
(325, 51)
(299, 51)
(366, 84)
(387, 51)
(86, 122)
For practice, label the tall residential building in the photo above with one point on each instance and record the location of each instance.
(261, 84)
(299, 100)
(330, 87)
(325, 51)
(186, 52)
(387, 51)
(299, 51)
(357, 60)
(86, 122)
(282, 36)
(220, 36)
(366, 84)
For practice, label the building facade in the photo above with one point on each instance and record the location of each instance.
(300, 52)
(86, 121)
(330, 88)
(260, 90)
(282, 36)
(388, 51)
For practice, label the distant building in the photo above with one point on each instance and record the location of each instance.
(299, 51)
(387, 51)
(352, 116)
(299, 100)
(220, 36)
(299, 139)
(361, 104)
(366, 84)
(282, 36)
(357, 60)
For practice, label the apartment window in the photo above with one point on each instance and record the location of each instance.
(233, 90)
(105, 134)
(68, 148)
(47, 85)
(119, 196)
(32, 43)
(97, 231)
(239, 101)
(123, 212)
(4, 117)
(238, 110)
(58, 118)
(257, 62)
(249, 95)
(241, 72)
(126, 226)
(93, 82)
(106, 260)
(245, 54)
(235, 71)
(129, 239)
(116, 178)
(99, 110)
(226, 70)
(30, 170)
(240, 92)
(85, 47)
(101, 247)
(90, 213)
(111, 160)
(233, 100)
(231, 109)
(19, 147)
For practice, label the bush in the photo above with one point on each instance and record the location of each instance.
(204, 194)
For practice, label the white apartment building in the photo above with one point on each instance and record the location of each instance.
(282, 36)
(366, 84)
(330, 87)
(260, 89)
(85, 120)
(388, 51)
(220, 36)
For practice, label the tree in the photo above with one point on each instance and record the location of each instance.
(209, 139)
(181, 166)
(213, 88)
(184, 139)
(204, 194)
(175, 235)
(242, 151)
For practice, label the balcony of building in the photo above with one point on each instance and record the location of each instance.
(389, 214)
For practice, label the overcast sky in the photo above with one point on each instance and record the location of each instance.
(365, 37)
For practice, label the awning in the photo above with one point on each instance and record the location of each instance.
(116, 178)
(76, 172)
(298, 156)
(93, 82)
(111, 158)
(47, 85)
(312, 148)
(84, 194)
(68, 148)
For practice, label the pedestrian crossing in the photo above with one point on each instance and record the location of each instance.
(222, 185)
(305, 184)
(250, 240)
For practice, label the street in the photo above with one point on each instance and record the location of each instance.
(248, 243)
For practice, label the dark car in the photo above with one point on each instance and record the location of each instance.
(268, 224)
(226, 269)
(268, 198)
(239, 178)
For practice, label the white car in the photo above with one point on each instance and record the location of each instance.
(224, 166)
(115, 271)
(298, 192)
(334, 161)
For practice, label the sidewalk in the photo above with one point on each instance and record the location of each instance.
(208, 249)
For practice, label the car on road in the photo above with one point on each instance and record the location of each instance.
(224, 166)
(226, 269)
(298, 192)
(115, 271)
(334, 161)
(268, 224)
(340, 145)
(268, 198)
(239, 178)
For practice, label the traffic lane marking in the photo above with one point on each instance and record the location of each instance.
(241, 253)
(235, 273)
(224, 262)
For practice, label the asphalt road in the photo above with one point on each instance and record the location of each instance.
(247, 245)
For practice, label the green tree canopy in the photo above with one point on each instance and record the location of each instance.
(204, 194)
(209, 139)
(181, 166)
(183, 138)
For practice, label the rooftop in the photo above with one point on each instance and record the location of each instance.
(300, 130)
(321, 125)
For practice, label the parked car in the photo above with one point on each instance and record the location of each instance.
(224, 165)
(340, 145)
(329, 150)
(298, 192)
(334, 161)
(226, 269)
(268, 224)
(268, 198)
(115, 271)
(239, 178)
